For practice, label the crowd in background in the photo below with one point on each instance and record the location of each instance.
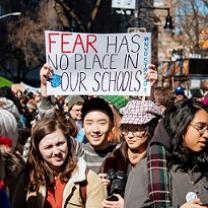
(91, 151)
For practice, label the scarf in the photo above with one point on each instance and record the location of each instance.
(158, 187)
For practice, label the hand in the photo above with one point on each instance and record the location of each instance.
(152, 75)
(193, 204)
(103, 177)
(114, 204)
(45, 73)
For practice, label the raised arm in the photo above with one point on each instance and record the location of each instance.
(45, 74)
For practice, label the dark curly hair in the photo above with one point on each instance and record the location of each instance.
(176, 122)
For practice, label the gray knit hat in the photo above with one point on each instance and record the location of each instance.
(72, 100)
(9, 106)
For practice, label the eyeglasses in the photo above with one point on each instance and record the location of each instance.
(200, 127)
(136, 133)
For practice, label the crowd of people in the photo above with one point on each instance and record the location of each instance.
(84, 151)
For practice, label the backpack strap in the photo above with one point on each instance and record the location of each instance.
(83, 188)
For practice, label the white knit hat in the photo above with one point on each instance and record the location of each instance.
(10, 106)
(8, 126)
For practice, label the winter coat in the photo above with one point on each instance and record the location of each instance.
(95, 191)
(117, 162)
(136, 193)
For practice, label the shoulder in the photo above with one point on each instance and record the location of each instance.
(140, 168)
(96, 191)
(92, 177)
(86, 146)
(82, 173)
(94, 183)
(138, 175)
(77, 147)
(88, 151)
(136, 192)
(115, 159)
(157, 149)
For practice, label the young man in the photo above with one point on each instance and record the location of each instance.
(98, 119)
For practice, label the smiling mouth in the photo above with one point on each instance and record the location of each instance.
(96, 139)
(138, 139)
(95, 136)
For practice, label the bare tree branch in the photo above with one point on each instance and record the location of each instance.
(72, 14)
(61, 14)
(94, 14)
(192, 19)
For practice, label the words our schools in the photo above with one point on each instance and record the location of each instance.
(99, 64)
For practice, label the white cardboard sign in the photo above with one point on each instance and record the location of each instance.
(98, 64)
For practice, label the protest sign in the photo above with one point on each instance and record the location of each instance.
(98, 64)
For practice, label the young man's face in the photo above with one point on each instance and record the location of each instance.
(97, 126)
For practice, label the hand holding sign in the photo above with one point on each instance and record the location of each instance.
(55, 80)
(45, 73)
(152, 75)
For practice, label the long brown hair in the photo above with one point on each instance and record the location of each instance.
(39, 171)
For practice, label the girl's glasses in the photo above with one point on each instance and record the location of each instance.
(140, 131)
(200, 127)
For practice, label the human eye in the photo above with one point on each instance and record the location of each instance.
(47, 147)
(201, 125)
(102, 123)
(60, 143)
(88, 123)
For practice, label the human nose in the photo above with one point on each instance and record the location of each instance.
(130, 134)
(95, 128)
(56, 150)
(205, 133)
